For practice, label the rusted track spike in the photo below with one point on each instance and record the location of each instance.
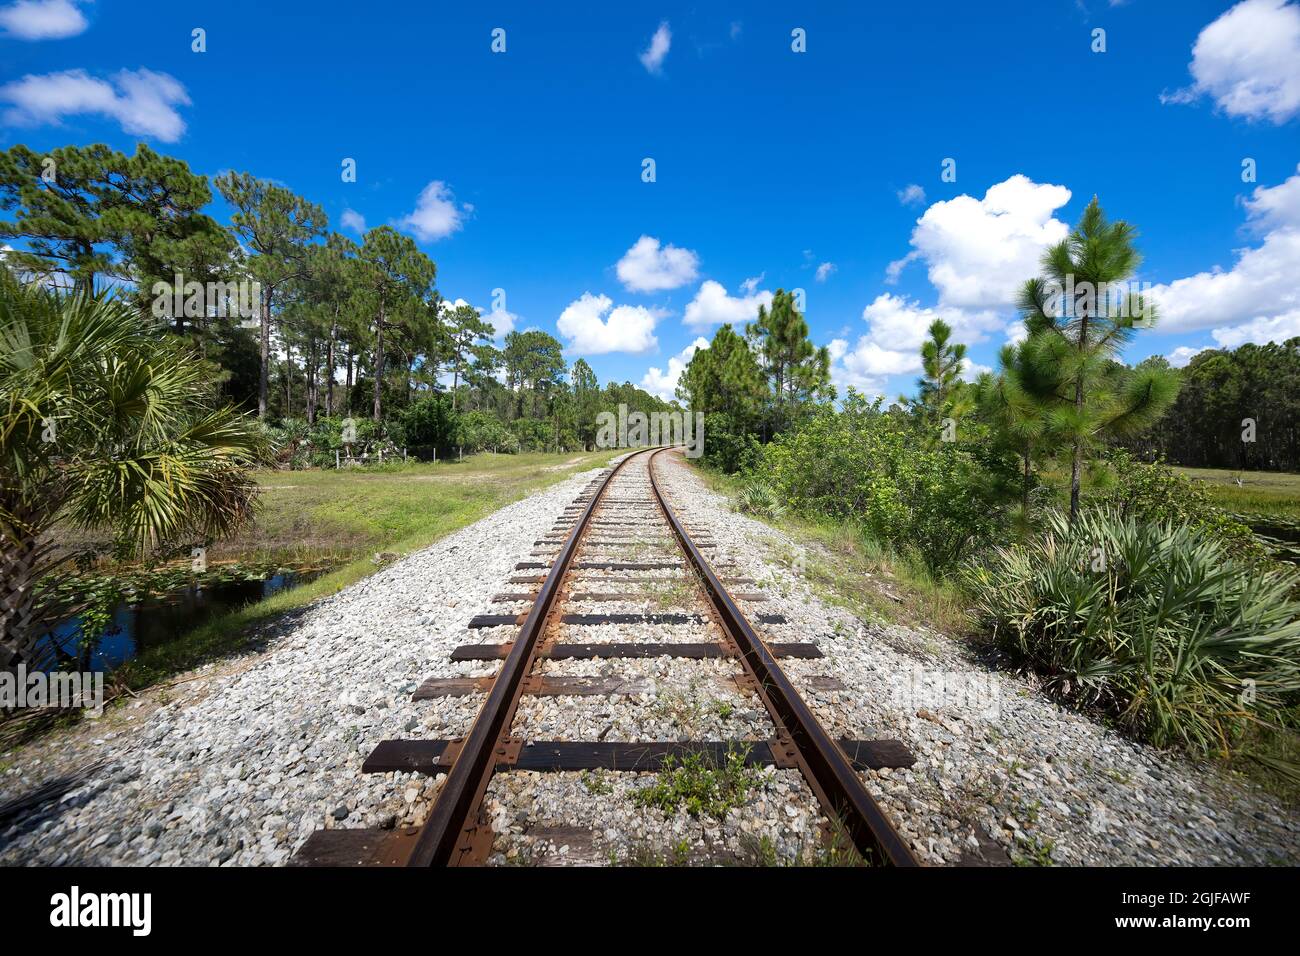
(827, 768)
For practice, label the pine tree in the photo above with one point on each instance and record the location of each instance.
(941, 393)
(798, 371)
(466, 332)
(87, 211)
(1077, 325)
(276, 226)
(1018, 401)
(400, 277)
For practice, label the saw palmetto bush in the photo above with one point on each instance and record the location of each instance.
(111, 425)
(758, 498)
(1156, 621)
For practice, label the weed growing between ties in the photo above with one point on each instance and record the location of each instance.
(694, 785)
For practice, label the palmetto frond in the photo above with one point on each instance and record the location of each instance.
(109, 424)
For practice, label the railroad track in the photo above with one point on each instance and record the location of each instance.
(621, 531)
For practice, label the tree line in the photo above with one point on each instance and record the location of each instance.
(336, 328)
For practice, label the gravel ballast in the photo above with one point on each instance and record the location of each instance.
(256, 754)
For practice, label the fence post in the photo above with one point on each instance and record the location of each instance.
(381, 456)
(336, 459)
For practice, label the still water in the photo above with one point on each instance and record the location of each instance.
(157, 619)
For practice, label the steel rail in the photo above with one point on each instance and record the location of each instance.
(441, 839)
(825, 767)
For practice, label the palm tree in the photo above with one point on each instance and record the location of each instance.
(109, 424)
(1080, 338)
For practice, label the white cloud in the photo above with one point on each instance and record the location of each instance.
(142, 101)
(653, 57)
(436, 214)
(664, 384)
(1262, 283)
(713, 306)
(749, 285)
(825, 271)
(628, 328)
(911, 195)
(979, 251)
(351, 219)
(1180, 356)
(1248, 62)
(42, 19)
(1277, 328)
(648, 267)
(503, 322)
(892, 344)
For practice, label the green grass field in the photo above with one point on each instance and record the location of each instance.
(1251, 492)
(351, 515)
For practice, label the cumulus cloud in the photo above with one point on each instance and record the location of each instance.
(749, 285)
(713, 306)
(42, 19)
(911, 195)
(652, 58)
(1248, 62)
(825, 271)
(1260, 288)
(664, 384)
(353, 220)
(1277, 328)
(979, 251)
(628, 328)
(142, 101)
(436, 215)
(503, 322)
(1180, 356)
(896, 327)
(649, 267)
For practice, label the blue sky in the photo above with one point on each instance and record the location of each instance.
(523, 170)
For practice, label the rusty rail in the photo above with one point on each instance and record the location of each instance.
(455, 833)
(449, 833)
(824, 765)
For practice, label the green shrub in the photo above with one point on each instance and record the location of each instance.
(937, 500)
(482, 431)
(757, 497)
(1153, 620)
(729, 446)
(430, 423)
(1154, 492)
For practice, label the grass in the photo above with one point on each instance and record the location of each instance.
(351, 515)
(1272, 493)
(849, 569)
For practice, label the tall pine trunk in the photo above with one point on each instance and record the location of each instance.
(379, 364)
(264, 369)
(329, 369)
(1076, 449)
